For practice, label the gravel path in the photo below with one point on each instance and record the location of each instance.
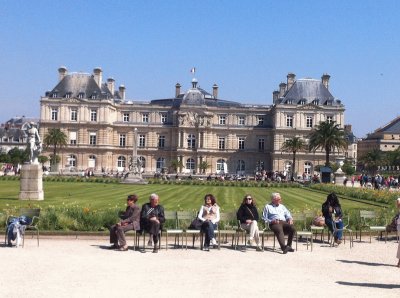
(84, 268)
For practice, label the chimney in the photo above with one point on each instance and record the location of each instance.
(325, 80)
(97, 74)
(62, 72)
(290, 80)
(347, 127)
(194, 83)
(282, 89)
(177, 89)
(122, 91)
(275, 96)
(111, 85)
(215, 91)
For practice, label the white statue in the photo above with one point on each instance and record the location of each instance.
(34, 143)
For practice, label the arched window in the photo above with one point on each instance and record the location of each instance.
(142, 161)
(307, 168)
(240, 166)
(191, 141)
(72, 160)
(121, 162)
(222, 167)
(190, 165)
(160, 164)
(92, 161)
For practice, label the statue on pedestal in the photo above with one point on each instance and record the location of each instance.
(34, 143)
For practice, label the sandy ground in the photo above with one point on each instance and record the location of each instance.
(85, 268)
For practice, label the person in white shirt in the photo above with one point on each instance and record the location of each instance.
(280, 221)
(209, 215)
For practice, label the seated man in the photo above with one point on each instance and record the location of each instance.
(152, 218)
(280, 221)
(130, 220)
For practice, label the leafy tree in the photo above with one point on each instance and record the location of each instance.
(43, 159)
(57, 139)
(176, 164)
(293, 145)
(18, 156)
(327, 136)
(203, 166)
(4, 157)
(348, 168)
(372, 159)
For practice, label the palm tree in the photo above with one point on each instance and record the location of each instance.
(293, 145)
(176, 164)
(327, 136)
(57, 139)
(203, 166)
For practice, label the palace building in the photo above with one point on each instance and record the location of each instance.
(193, 128)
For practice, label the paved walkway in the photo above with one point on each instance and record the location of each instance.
(84, 268)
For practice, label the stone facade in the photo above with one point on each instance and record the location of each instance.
(193, 126)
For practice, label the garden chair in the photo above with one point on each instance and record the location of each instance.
(266, 231)
(345, 230)
(32, 214)
(300, 221)
(369, 221)
(242, 234)
(184, 219)
(172, 219)
(226, 227)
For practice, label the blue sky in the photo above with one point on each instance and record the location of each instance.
(246, 47)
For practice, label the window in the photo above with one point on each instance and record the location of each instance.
(71, 160)
(242, 120)
(329, 119)
(122, 140)
(54, 95)
(307, 168)
(54, 114)
(161, 141)
(309, 121)
(142, 161)
(68, 95)
(80, 95)
(121, 162)
(289, 121)
(259, 166)
(222, 119)
(221, 166)
(241, 143)
(163, 118)
(260, 120)
(145, 118)
(221, 143)
(93, 115)
(74, 115)
(191, 141)
(92, 161)
(160, 164)
(125, 117)
(142, 141)
(261, 144)
(72, 137)
(240, 166)
(190, 165)
(92, 138)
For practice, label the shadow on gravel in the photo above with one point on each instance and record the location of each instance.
(369, 285)
(365, 263)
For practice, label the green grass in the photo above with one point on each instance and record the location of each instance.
(99, 196)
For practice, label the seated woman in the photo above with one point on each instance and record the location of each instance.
(332, 206)
(248, 217)
(152, 219)
(130, 220)
(209, 215)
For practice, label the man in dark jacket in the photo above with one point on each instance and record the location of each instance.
(152, 218)
(130, 220)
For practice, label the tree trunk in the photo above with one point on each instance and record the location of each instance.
(294, 165)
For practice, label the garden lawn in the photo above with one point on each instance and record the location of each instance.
(100, 196)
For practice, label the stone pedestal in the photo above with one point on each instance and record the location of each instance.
(339, 177)
(134, 179)
(31, 182)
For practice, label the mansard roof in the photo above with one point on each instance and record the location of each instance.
(307, 91)
(393, 127)
(81, 85)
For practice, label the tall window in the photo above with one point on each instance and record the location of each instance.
(161, 141)
(142, 161)
(307, 168)
(72, 160)
(92, 138)
(191, 141)
(261, 144)
(259, 165)
(72, 137)
(241, 167)
(241, 143)
(163, 118)
(221, 166)
(74, 115)
(121, 161)
(221, 143)
(125, 117)
(122, 140)
(242, 120)
(54, 114)
(142, 141)
(145, 117)
(329, 119)
(190, 165)
(92, 161)
(160, 164)
(93, 115)
(309, 121)
(260, 120)
(289, 121)
(222, 119)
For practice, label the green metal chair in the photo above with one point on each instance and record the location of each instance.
(369, 221)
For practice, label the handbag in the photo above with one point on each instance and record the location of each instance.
(319, 221)
(196, 224)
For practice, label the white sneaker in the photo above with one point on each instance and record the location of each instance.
(213, 241)
(250, 242)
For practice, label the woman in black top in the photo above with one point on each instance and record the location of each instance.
(332, 206)
(248, 216)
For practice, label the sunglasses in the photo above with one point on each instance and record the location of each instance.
(249, 198)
